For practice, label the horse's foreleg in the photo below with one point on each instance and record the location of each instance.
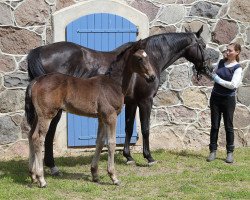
(130, 110)
(111, 133)
(100, 141)
(48, 154)
(145, 111)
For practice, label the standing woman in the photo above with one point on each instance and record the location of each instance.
(227, 77)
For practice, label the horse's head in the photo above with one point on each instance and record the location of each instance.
(196, 53)
(141, 63)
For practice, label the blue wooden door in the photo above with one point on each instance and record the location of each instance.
(103, 32)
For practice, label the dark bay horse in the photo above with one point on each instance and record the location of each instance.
(75, 60)
(100, 97)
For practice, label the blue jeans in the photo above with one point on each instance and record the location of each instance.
(222, 105)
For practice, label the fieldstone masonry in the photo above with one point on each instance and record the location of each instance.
(180, 117)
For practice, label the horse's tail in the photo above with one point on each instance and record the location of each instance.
(35, 66)
(30, 112)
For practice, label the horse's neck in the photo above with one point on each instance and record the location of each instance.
(169, 52)
(171, 59)
(98, 66)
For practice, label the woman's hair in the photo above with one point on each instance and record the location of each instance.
(237, 47)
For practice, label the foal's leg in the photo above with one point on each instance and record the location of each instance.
(130, 110)
(33, 131)
(37, 142)
(145, 107)
(111, 135)
(48, 154)
(100, 141)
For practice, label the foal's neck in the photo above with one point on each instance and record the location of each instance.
(121, 74)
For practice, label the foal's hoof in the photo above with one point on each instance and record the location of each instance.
(43, 185)
(33, 181)
(117, 182)
(152, 163)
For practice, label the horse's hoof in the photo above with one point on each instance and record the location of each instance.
(96, 180)
(55, 171)
(152, 163)
(130, 162)
(57, 174)
(117, 182)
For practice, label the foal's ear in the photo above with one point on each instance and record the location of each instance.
(139, 45)
(198, 33)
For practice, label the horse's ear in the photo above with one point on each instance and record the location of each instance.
(187, 31)
(198, 34)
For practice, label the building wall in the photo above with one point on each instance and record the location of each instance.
(180, 116)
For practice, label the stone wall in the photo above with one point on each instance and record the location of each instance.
(180, 116)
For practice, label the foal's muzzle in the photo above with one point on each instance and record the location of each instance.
(150, 78)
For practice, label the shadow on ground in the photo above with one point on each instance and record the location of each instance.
(17, 169)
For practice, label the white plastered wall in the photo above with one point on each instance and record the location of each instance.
(64, 16)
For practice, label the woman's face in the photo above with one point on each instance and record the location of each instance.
(231, 53)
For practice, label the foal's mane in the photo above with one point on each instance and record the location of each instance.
(119, 57)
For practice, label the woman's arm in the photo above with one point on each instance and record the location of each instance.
(215, 67)
(234, 83)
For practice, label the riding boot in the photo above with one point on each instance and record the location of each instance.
(230, 158)
(212, 156)
(230, 150)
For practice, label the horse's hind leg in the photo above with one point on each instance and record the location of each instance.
(36, 144)
(111, 135)
(100, 141)
(48, 153)
(130, 110)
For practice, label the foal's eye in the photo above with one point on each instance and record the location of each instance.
(139, 59)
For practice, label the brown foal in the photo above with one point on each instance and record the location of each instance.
(100, 97)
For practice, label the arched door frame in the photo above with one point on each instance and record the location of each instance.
(64, 16)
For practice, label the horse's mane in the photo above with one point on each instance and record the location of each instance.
(121, 48)
(159, 44)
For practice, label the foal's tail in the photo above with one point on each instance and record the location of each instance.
(30, 112)
(35, 66)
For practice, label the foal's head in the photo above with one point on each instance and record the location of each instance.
(139, 62)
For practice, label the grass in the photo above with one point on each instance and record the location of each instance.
(177, 175)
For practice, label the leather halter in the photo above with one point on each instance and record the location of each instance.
(204, 67)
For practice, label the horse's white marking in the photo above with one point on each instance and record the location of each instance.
(144, 54)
